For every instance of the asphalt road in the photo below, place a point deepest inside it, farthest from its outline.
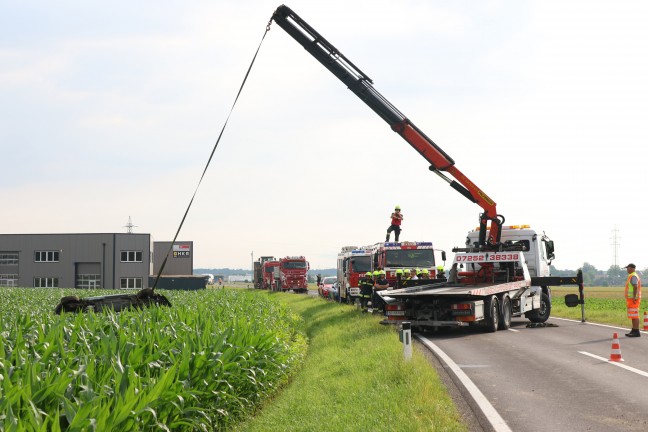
(554, 378)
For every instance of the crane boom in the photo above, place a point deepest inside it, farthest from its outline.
(361, 85)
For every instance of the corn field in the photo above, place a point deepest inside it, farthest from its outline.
(202, 364)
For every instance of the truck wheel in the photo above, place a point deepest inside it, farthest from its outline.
(492, 321)
(505, 317)
(541, 315)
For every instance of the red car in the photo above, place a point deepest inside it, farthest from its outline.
(327, 285)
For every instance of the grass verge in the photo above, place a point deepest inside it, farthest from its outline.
(605, 305)
(354, 378)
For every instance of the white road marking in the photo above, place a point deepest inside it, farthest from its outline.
(498, 423)
(597, 324)
(513, 330)
(621, 365)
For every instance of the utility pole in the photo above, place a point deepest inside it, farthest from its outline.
(130, 226)
(615, 245)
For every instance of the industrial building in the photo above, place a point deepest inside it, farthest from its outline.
(112, 260)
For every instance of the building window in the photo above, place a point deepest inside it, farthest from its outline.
(130, 283)
(8, 280)
(131, 256)
(46, 256)
(46, 282)
(88, 281)
(8, 258)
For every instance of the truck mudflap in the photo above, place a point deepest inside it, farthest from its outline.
(117, 302)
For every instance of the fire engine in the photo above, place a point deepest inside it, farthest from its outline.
(269, 268)
(352, 264)
(259, 278)
(291, 274)
(391, 256)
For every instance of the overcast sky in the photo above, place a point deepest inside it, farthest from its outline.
(109, 110)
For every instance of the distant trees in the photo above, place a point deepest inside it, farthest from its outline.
(614, 276)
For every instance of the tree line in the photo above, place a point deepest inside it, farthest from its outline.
(613, 276)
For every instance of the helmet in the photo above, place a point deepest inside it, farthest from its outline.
(418, 271)
(368, 274)
(440, 267)
(397, 207)
(399, 271)
(376, 273)
(425, 271)
(382, 272)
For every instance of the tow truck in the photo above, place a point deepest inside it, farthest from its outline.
(493, 277)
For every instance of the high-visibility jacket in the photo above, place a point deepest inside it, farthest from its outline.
(629, 288)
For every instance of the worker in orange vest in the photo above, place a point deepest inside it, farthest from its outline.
(633, 299)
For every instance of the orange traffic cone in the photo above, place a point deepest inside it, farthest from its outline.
(616, 349)
(645, 320)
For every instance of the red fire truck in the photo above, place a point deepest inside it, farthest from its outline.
(291, 274)
(352, 264)
(391, 256)
(259, 275)
(269, 268)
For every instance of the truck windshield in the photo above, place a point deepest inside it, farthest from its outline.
(410, 258)
(361, 264)
(269, 269)
(294, 265)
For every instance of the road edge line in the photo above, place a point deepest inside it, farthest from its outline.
(491, 414)
(596, 324)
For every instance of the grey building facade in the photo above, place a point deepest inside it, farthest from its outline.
(180, 261)
(113, 260)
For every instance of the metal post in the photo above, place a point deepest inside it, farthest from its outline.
(407, 340)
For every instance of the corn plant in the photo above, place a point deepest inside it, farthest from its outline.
(200, 365)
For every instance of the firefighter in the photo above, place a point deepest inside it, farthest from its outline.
(399, 278)
(633, 298)
(396, 219)
(366, 290)
(381, 284)
(440, 272)
(425, 274)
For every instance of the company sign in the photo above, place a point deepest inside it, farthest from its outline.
(181, 251)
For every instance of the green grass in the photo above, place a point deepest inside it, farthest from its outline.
(355, 378)
(605, 305)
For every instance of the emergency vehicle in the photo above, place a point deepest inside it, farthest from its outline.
(391, 256)
(258, 271)
(269, 280)
(291, 274)
(486, 286)
(352, 264)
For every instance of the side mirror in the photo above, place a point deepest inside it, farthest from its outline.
(549, 246)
